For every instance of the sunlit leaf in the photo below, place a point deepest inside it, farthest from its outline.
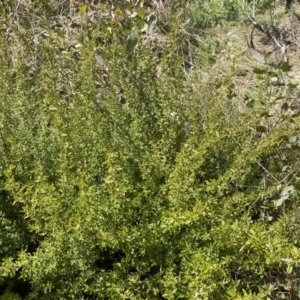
(293, 139)
(292, 85)
(289, 269)
(279, 202)
(288, 191)
(82, 9)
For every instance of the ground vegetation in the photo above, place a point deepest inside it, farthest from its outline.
(146, 153)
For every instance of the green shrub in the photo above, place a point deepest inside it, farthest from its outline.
(9, 296)
(133, 180)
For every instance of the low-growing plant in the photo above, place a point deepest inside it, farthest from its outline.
(124, 176)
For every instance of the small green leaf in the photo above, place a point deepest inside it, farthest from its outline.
(60, 34)
(284, 106)
(297, 214)
(296, 115)
(287, 191)
(251, 103)
(259, 71)
(100, 60)
(292, 85)
(280, 98)
(293, 139)
(145, 27)
(141, 13)
(279, 202)
(265, 114)
(75, 25)
(285, 66)
(66, 64)
(261, 129)
(268, 3)
(295, 107)
(218, 84)
(82, 9)
(289, 269)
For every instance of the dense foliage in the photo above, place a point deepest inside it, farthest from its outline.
(129, 172)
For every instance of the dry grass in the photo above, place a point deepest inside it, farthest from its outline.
(237, 58)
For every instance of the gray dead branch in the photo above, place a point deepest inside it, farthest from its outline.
(271, 31)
